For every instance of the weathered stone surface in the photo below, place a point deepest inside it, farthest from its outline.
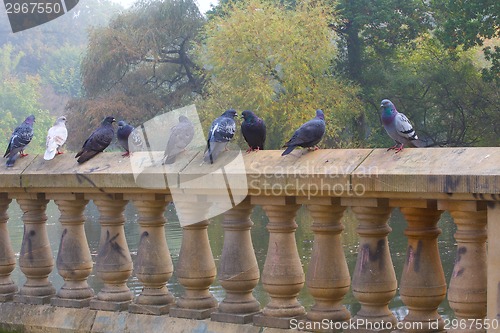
(438, 172)
(48, 319)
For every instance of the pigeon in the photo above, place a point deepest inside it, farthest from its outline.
(123, 134)
(181, 135)
(56, 137)
(253, 129)
(308, 135)
(20, 138)
(221, 132)
(398, 127)
(97, 141)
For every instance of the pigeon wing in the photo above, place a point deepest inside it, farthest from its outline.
(309, 133)
(223, 130)
(404, 127)
(20, 138)
(181, 136)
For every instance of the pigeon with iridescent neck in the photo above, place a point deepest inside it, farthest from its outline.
(398, 127)
(253, 129)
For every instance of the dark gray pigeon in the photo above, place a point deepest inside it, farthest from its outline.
(398, 127)
(253, 129)
(181, 135)
(97, 141)
(19, 139)
(123, 134)
(221, 132)
(308, 134)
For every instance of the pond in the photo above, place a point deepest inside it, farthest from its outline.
(260, 237)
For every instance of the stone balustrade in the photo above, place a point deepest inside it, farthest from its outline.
(422, 183)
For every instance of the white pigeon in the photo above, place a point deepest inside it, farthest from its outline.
(56, 137)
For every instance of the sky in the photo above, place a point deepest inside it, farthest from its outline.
(204, 5)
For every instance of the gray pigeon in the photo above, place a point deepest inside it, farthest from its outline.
(56, 137)
(221, 132)
(97, 141)
(181, 135)
(123, 135)
(308, 135)
(398, 127)
(20, 138)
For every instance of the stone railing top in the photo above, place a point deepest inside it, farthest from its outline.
(470, 173)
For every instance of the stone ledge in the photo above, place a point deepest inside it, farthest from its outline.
(47, 319)
(439, 173)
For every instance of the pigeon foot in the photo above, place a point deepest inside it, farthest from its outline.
(126, 154)
(399, 149)
(396, 147)
(22, 154)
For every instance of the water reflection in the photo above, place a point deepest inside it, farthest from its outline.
(260, 236)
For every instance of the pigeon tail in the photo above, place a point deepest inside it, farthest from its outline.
(213, 151)
(288, 150)
(51, 150)
(170, 159)
(423, 143)
(49, 154)
(84, 156)
(12, 160)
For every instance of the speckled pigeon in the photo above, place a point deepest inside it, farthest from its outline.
(123, 134)
(253, 129)
(308, 135)
(20, 138)
(97, 141)
(56, 137)
(221, 132)
(181, 135)
(398, 127)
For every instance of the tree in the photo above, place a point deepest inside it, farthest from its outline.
(276, 62)
(71, 29)
(442, 92)
(139, 66)
(469, 24)
(19, 99)
(62, 70)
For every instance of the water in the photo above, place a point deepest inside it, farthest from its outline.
(260, 236)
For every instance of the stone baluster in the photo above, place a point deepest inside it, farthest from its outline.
(493, 261)
(195, 269)
(238, 269)
(422, 285)
(74, 262)
(327, 278)
(153, 265)
(283, 275)
(467, 291)
(374, 280)
(35, 259)
(113, 262)
(7, 259)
